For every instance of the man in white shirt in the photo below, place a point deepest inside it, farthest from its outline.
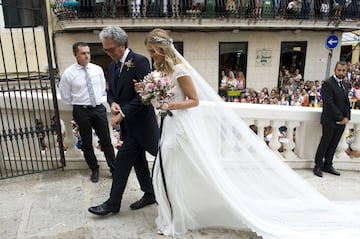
(82, 85)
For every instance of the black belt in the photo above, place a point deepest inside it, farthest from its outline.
(88, 106)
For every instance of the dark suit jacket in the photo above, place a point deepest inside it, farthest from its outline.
(140, 120)
(336, 104)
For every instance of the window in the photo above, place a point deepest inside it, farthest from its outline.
(179, 46)
(21, 13)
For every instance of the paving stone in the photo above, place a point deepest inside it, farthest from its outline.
(53, 205)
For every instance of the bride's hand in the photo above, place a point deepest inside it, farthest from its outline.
(168, 106)
(164, 106)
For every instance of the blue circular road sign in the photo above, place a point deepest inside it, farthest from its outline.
(332, 41)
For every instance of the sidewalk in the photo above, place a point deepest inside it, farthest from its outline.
(53, 205)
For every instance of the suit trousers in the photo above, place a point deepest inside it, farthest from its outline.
(327, 146)
(89, 118)
(130, 154)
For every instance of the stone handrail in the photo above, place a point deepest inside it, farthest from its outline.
(298, 150)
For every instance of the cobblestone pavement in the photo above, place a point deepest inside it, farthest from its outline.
(53, 205)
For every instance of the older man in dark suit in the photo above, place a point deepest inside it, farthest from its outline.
(138, 122)
(334, 117)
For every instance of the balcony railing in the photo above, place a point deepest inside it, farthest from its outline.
(268, 9)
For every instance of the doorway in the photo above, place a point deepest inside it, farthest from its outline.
(233, 58)
(293, 55)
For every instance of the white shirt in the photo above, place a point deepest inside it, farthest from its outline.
(73, 89)
(122, 60)
(338, 81)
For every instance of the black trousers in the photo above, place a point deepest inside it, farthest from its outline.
(328, 143)
(130, 154)
(94, 118)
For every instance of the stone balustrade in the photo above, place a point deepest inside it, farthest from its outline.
(298, 147)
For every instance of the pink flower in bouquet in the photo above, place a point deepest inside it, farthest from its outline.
(156, 89)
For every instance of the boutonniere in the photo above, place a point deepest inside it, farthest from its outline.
(129, 64)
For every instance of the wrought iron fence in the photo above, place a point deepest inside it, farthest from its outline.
(30, 132)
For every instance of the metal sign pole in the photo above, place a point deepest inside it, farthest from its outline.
(331, 42)
(328, 64)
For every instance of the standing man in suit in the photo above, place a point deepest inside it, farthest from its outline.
(335, 115)
(137, 121)
(88, 111)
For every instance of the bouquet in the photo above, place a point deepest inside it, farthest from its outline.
(156, 89)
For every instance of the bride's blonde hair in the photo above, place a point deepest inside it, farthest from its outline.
(161, 42)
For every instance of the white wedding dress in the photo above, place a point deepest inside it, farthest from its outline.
(218, 173)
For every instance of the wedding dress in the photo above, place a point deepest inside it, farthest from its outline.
(215, 172)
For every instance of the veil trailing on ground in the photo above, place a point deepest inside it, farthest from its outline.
(260, 191)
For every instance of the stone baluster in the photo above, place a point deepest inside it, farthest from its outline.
(290, 145)
(98, 152)
(356, 143)
(274, 142)
(342, 147)
(70, 140)
(260, 124)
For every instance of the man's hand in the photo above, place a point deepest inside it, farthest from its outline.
(344, 121)
(115, 122)
(115, 108)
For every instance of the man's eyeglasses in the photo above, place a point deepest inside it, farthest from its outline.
(109, 50)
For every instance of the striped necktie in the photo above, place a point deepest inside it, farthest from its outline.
(90, 88)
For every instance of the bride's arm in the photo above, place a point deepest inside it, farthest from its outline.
(192, 100)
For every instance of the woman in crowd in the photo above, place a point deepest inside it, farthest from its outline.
(223, 80)
(232, 82)
(241, 82)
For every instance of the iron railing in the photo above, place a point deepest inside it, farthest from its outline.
(30, 132)
(268, 9)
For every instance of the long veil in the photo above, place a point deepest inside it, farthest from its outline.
(262, 191)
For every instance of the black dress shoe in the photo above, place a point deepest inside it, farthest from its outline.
(318, 172)
(94, 175)
(331, 170)
(103, 209)
(147, 199)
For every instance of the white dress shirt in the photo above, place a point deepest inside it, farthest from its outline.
(122, 60)
(73, 89)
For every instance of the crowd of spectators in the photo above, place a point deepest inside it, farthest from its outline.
(276, 9)
(293, 89)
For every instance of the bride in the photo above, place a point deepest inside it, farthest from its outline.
(213, 171)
